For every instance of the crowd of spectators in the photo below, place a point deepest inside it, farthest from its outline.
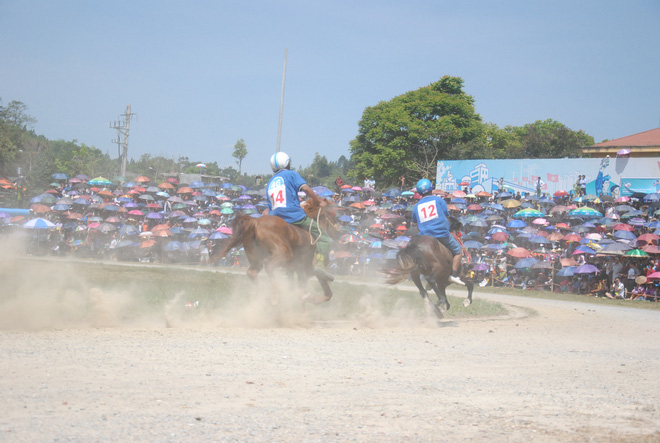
(582, 244)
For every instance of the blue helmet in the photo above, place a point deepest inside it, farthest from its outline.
(424, 186)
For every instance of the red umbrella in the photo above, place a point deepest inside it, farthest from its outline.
(560, 193)
(651, 249)
(500, 236)
(474, 207)
(623, 227)
(572, 237)
(648, 238)
(555, 236)
(519, 252)
(38, 208)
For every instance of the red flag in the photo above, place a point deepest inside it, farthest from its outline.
(553, 178)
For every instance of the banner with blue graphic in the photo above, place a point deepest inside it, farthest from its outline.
(606, 176)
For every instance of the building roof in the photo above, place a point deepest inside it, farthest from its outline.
(646, 138)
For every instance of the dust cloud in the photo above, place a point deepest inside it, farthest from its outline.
(52, 293)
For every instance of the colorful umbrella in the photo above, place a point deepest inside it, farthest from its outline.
(585, 211)
(518, 252)
(38, 223)
(636, 253)
(529, 213)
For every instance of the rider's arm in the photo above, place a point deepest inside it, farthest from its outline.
(310, 192)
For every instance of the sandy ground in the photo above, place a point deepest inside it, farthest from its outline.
(551, 371)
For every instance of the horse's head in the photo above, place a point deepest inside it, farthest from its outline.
(325, 211)
(454, 224)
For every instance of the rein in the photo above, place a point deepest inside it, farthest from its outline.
(468, 257)
(318, 219)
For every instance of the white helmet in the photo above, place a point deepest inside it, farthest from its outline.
(280, 160)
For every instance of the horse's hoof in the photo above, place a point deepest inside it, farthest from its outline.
(467, 302)
(315, 299)
(443, 308)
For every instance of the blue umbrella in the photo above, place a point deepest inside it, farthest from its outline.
(568, 271)
(539, 239)
(173, 246)
(625, 235)
(494, 246)
(60, 176)
(38, 223)
(393, 192)
(516, 224)
(473, 244)
(525, 263)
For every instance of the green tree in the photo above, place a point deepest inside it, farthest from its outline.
(549, 139)
(240, 152)
(15, 130)
(410, 133)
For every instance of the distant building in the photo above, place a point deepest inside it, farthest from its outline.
(644, 144)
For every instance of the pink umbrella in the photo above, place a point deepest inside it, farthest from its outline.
(654, 276)
(623, 152)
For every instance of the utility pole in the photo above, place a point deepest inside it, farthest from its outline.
(279, 127)
(123, 127)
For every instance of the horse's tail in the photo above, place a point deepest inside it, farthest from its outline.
(405, 259)
(242, 227)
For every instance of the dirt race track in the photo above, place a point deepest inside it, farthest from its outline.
(552, 371)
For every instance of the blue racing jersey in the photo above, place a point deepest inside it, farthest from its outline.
(431, 216)
(283, 198)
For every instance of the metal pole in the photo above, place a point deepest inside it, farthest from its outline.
(127, 124)
(279, 128)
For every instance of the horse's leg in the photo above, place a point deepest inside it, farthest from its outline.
(439, 289)
(428, 305)
(271, 264)
(470, 287)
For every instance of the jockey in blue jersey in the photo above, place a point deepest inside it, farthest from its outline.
(431, 216)
(282, 191)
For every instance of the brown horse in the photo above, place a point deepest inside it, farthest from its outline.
(424, 255)
(270, 242)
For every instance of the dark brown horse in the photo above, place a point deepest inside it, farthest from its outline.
(424, 255)
(270, 242)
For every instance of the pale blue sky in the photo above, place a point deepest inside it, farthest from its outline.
(202, 74)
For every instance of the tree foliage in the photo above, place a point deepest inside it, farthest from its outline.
(324, 172)
(240, 152)
(410, 133)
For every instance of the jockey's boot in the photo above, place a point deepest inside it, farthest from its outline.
(454, 278)
(455, 266)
